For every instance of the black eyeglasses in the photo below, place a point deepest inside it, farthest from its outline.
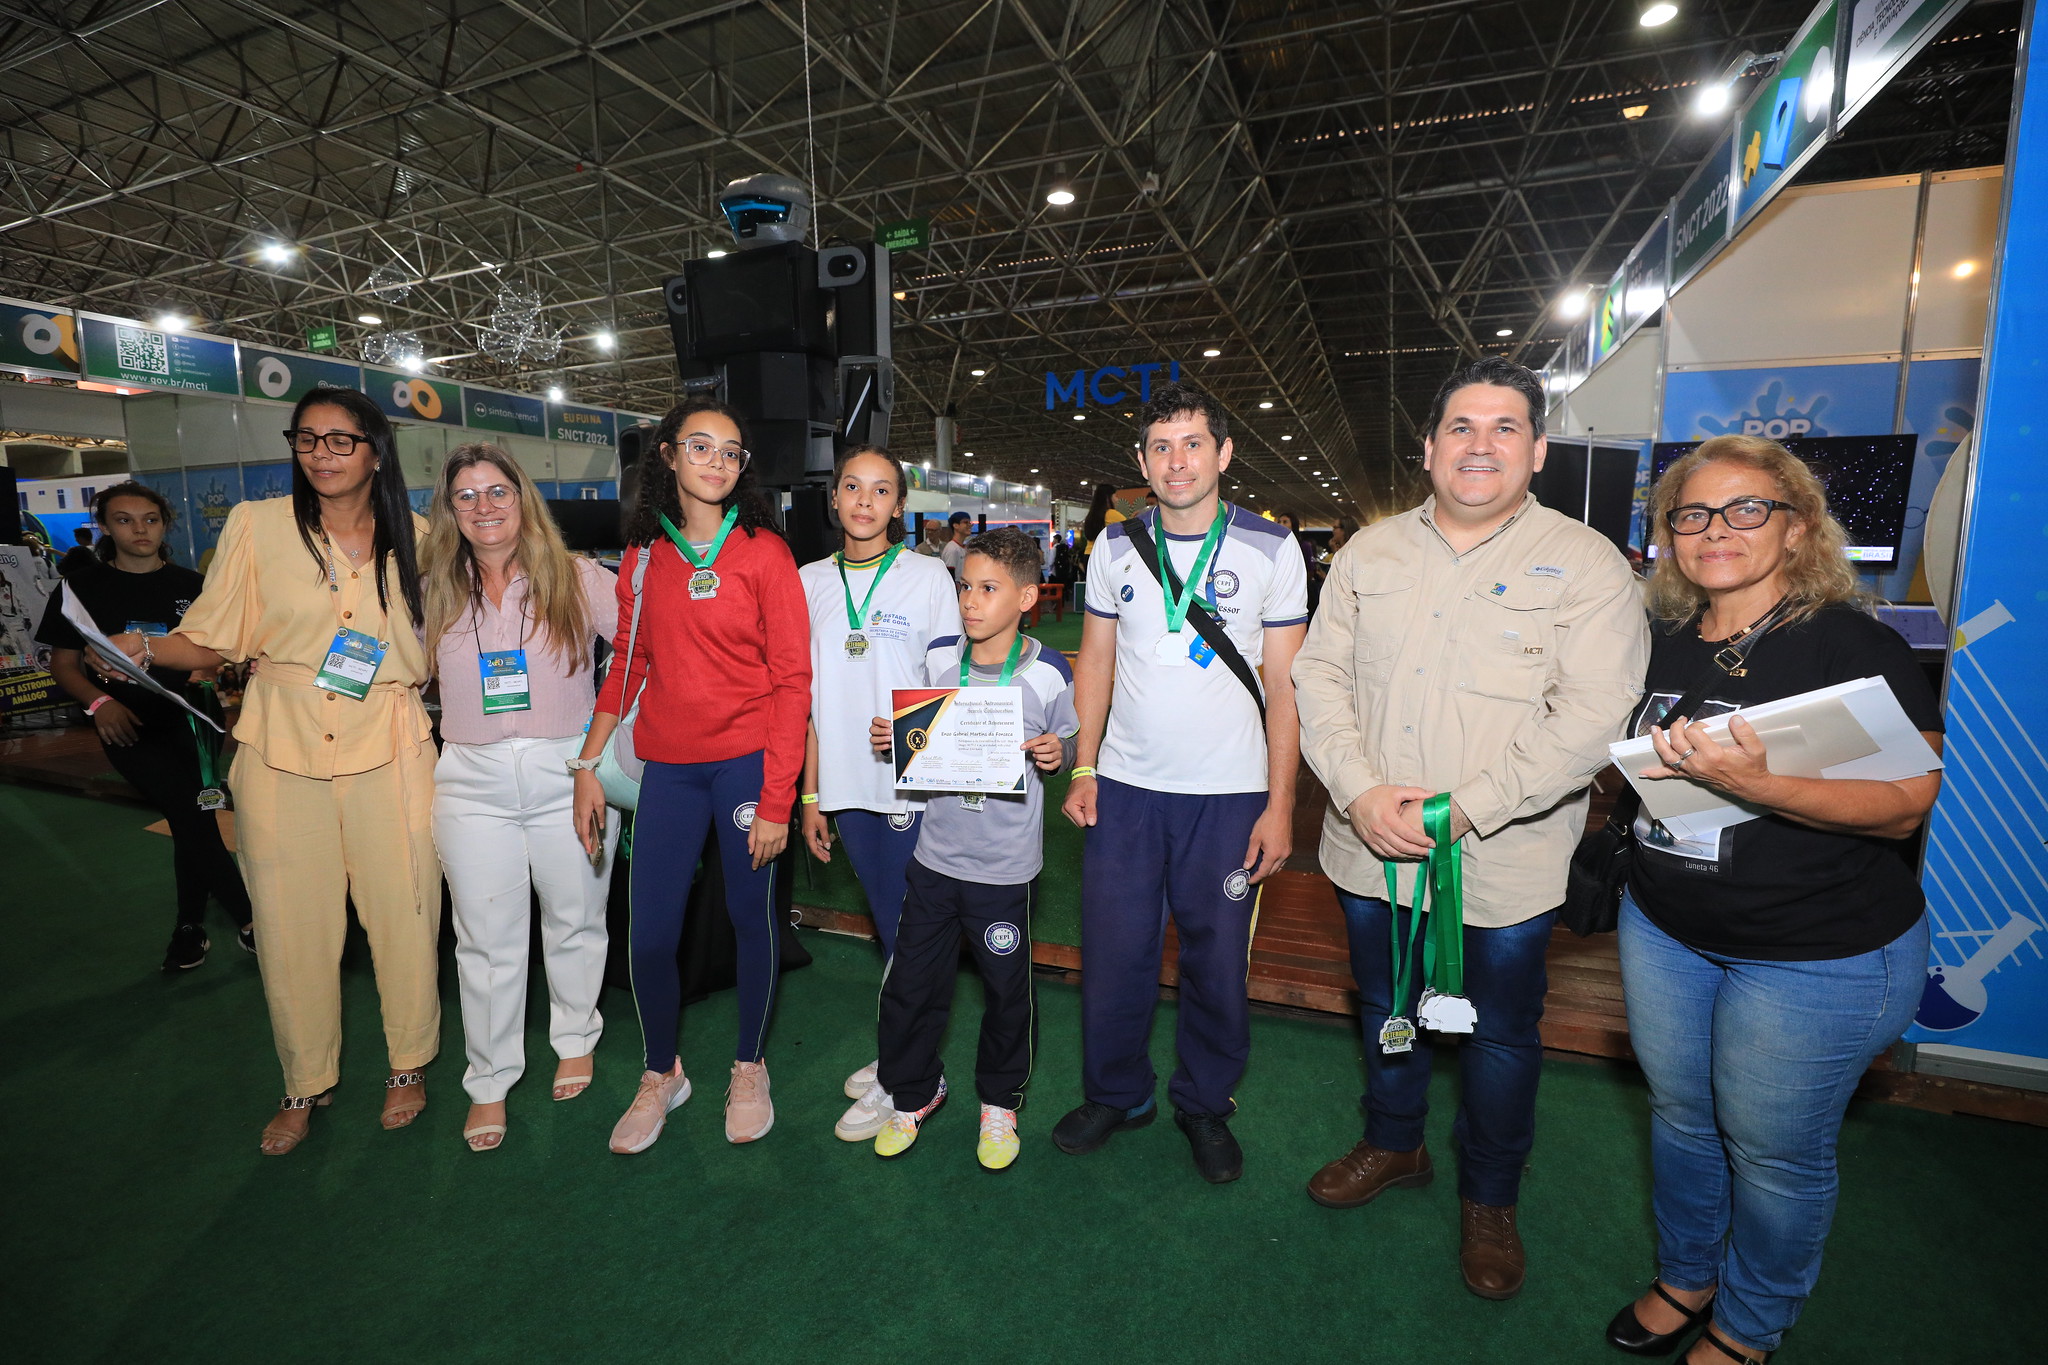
(1743, 514)
(304, 440)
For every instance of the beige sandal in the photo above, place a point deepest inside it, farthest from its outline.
(286, 1137)
(400, 1114)
(484, 1130)
(569, 1087)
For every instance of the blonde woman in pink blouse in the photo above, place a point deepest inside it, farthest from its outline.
(512, 617)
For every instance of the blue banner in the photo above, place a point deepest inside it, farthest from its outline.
(582, 426)
(1780, 401)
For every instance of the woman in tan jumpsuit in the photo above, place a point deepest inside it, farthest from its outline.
(334, 781)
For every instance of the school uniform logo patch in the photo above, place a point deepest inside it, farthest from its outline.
(1237, 884)
(1002, 938)
(743, 816)
(1226, 583)
(1129, 593)
(901, 821)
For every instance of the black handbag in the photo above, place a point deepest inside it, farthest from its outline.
(1601, 864)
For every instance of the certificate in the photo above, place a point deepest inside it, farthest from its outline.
(958, 739)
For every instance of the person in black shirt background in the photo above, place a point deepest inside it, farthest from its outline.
(133, 586)
(1765, 970)
(82, 557)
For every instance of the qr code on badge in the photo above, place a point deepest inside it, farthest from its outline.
(136, 348)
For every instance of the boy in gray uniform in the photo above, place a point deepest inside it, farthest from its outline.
(976, 866)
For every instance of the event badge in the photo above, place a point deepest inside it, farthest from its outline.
(1201, 652)
(352, 663)
(505, 684)
(1171, 651)
(1446, 1013)
(152, 628)
(856, 645)
(212, 798)
(703, 584)
(973, 801)
(1397, 1035)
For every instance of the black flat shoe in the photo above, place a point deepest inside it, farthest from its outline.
(1627, 1333)
(1216, 1153)
(1087, 1128)
(1713, 1339)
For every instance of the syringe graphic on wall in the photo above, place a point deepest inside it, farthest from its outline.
(1955, 996)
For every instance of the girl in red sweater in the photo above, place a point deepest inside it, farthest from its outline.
(722, 671)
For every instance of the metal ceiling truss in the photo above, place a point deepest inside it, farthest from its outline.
(1340, 198)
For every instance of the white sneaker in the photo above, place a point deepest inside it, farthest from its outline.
(858, 1084)
(869, 1114)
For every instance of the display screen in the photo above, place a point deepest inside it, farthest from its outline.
(1866, 478)
(749, 293)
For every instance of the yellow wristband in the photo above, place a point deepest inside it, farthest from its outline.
(809, 798)
(1082, 772)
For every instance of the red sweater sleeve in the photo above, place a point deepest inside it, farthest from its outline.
(786, 632)
(626, 675)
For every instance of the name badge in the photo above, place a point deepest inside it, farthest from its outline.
(1172, 650)
(1201, 652)
(351, 665)
(505, 685)
(148, 628)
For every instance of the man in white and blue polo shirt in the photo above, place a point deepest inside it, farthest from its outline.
(1185, 788)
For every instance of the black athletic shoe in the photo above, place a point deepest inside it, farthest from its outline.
(187, 950)
(246, 938)
(1217, 1155)
(1090, 1126)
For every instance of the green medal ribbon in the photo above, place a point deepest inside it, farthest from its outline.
(855, 618)
(1177, 609)
(732, 514)
(207, 742)
(1009, 664)
(1441, 881)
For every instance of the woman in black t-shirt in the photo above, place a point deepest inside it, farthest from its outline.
(133, 586)
(1763, 969)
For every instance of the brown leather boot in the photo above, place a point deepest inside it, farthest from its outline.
(1490, 1250)
(1362, 1174)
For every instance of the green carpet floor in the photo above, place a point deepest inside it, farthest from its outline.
(144, 1226)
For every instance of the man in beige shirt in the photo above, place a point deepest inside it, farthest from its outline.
(1484, 646)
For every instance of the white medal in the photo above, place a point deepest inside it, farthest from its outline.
(1172, 650)
(973, 801)
(1446, 1013)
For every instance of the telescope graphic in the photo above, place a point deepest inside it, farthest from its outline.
(1954, 996)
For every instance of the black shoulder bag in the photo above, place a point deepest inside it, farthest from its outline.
(1601, 864)
(1206, 625)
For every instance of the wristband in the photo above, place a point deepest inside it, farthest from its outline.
(1081, 772)
(97, 702)
(809, 798)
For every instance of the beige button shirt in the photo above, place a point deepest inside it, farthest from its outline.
(1499, 675)
(267, 599)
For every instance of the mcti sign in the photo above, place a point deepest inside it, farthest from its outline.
(1107, 386)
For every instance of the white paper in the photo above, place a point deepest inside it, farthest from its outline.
(966, 739)
(74, 612)
(1873, 741)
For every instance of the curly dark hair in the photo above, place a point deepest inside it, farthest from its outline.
(658, 496)
(1017, 551)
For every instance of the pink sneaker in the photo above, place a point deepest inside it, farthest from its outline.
(749, 1113)
(643, 1120)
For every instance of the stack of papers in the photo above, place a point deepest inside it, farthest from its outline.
(1853, 729)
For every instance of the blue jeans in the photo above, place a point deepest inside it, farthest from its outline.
(1751, 1065)
(1499, 1063)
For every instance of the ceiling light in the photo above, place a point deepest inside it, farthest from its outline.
(1505, 332)
(1964, 269)
(714, 253)
(412, 364)
(554, 395)
(605, 341)
(1571, 304)
(1634, 110)
(977, 373)
(1059, 196)
(1301, 457)
(1711, 100)
(1212, 353)
(968, 453)
(276, 253)
(369, 320)
(1034, 471)
(1080, 417)
(1659, 13)
(1289, 438)
(899, 296)
(1266, 403)
(170, 322)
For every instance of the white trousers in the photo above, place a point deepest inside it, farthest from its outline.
(504, 825)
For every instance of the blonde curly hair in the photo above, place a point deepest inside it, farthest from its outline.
(1817, 572)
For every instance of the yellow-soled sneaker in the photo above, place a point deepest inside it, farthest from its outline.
(997, 1146)
(902, 1128)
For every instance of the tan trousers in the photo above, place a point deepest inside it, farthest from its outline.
(309, 845)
